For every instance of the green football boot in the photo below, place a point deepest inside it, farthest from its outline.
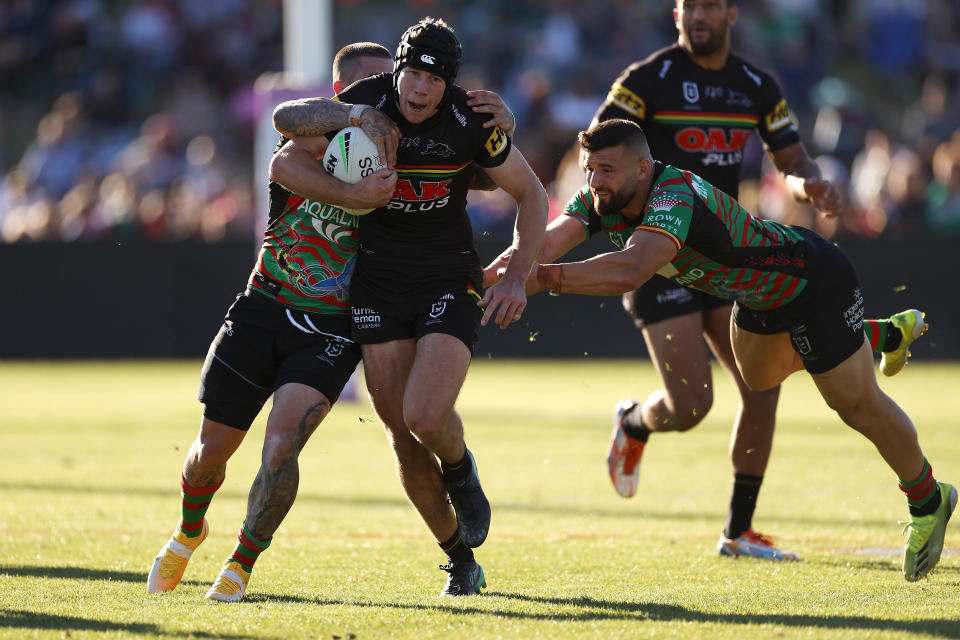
(925, 536)
(911, 326)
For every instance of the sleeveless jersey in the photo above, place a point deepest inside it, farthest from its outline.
(700, 119)
(722, 250)
(426, 220)
(308, 253)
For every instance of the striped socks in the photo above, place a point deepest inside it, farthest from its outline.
(194, 502)
(248, 549)
(882, 335)
(923, 494)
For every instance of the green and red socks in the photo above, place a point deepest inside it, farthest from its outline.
(882, 335)
(248, 548)
(923, 493)
(194, 502)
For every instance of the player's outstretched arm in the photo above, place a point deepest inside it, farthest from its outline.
(506, 300)
(611, 273)
(562, 235)
(805, 181)
(296, 167)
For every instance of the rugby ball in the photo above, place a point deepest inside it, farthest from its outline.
(351, 156)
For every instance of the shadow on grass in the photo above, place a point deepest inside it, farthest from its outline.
(83, 573)
(599, 609)
(73, 573)
(586, 608)
(578, 609)
(13, 619)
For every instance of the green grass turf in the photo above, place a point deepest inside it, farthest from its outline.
(91, 456)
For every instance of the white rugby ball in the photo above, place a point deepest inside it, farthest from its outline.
(352, 156)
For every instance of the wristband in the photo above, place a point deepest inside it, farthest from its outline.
(550, 277)
(355, 112)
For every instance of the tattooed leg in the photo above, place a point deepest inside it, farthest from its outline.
(297, 411)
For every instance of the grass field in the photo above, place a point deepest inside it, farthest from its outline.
(91, 455)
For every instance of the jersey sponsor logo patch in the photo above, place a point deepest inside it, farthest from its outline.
(627, 100)
(496, 143)
(690, 92)
(366, 318)
(320, 212)
(665, 68)
(408, 198)
(462, 119)
(689, 277)
(779, 117)
(712, 139)
(853, 315)
(404, 190)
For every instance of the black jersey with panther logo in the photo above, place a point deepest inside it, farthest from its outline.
(426, 219)
(700, 119)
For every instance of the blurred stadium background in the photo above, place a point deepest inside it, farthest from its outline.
(131, 193)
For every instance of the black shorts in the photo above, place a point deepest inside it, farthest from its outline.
(660, 299)
(263, 345)
(412, 306)
(825, 321)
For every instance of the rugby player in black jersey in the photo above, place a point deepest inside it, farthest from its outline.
(798, 302)
(416, 288)
(304, 325)
(698, 103)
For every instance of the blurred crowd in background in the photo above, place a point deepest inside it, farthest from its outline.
(127, 120)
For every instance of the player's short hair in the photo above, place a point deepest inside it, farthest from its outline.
(431, 46)
(613, 133)
(345, 62)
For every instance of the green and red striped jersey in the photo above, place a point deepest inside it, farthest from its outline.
(722, 250)
(308, 254)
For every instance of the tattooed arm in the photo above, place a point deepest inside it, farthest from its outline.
(296, 167)
(319, 116)
(311, 117)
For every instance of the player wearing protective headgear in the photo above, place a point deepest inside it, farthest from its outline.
(416, 288)
(429, 45)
